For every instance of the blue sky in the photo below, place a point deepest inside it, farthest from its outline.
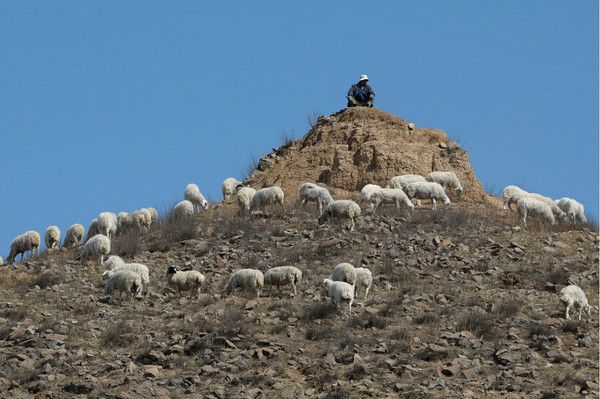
(118, 105)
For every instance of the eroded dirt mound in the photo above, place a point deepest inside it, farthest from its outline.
(358, 146)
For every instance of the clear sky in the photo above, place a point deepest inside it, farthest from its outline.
(116, 105)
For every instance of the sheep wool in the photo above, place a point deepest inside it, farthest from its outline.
(427, 190)
(529, 206)
(340, 291)
(246, 279)
(229, 187)
(344, 272)
(97, 247)
(550, 202)
(512, 194)
(28, 241)
(367, 191)
(404, 180)
(267, 196)
(574, 297)
(138, 268)
(283, 275)
(74, 235)
(192, 193)
(341, 209)
(52, 237)
(364, 279)
(445, 179)
(390, 196)
(573, 209)
(123, 281)
(183, 209)
(188, 280)
(310, 192)
(112, 262)
(244, 197)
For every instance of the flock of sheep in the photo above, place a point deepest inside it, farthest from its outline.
(345, 280)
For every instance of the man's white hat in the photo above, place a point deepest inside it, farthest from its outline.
(363, 77)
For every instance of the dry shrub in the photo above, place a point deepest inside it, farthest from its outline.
(127, 244)
(367, 321)
(120, 334)
(318, 311)
(317, 332)
(357, 372)
(572, 326)
(231, 323)
(14, 314)
(46, 279)
(535, 328)
(508, 308)
(480, 324)
(558, 276)
(175, 228)
(426, 318)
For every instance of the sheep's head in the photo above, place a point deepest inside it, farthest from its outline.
(171, 270)
(447, 201)
(204, 204)
(588, 309)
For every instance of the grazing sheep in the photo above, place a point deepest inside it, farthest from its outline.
(573, 296)
(28, 241)
(246, 279)
(229, 187)
(112, 262)
(267, 196)
(124, 281)
(244, 197)
(512, 194)
(445, 179)
(427, 190)
(107, 224)
(340, 291)
(344, 272)
(404, 180)
(340, 209)
(573, 209)
(183, 209)
(188, 280)
(139, 220)
(96, 247)
(283, 275)
(553, 206)
(390, 196)
(93, 229)
(52, 237)
(364, 279)
(74, 235)
(367, 191)
(141, 270)
(528, 206)
(310, 192)
(193, 194)
(153, 214)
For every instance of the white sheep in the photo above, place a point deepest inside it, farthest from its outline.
(112, 262)
(93, 229)
(229, 187)
(28, 241)
(107, 224)
(283, 275)
(427, 190)
(573, 296)
(52, 237)
(341, 209)
(445, 179)
(364, 279)
(192, 193)
(344, 272)
(390, 196)
(96, 247)
(183, 209)
(512, 194)
(124, 281)
(310, 192)
(244, 197)
(367, 191)
(248, 279)
(153, 214)
(553, 206)
(141, 270)
(573, 209)
(188, 280)
(74, 235)
(528, 206)
(139, 220)
(267, 196)
(340, 291)
(404, 180)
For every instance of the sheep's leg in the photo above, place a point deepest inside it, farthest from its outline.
(580, 309)
(433, 202)
(294, 287)
(257, 293)
(419, 203)
(350, 305)
(567, 312)
(366, 293)
(351, 224)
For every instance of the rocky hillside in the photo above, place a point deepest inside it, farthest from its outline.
(464, 302)
(358, 146)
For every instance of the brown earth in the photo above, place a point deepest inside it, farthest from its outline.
(357, 146)
(464, 302)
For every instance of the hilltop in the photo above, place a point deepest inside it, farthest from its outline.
(464, 302)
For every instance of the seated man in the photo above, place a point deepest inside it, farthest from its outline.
(361, 94)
